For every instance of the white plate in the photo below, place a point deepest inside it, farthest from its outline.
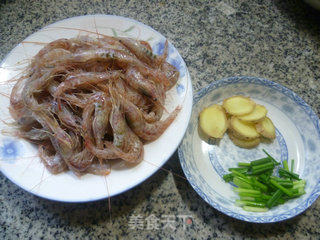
(18, 161)
(298, 137)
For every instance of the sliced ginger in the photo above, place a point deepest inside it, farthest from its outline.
(245, 120)
(213, 121)
(243, 143)
(238, 105)
(258, 114)
(243, 130)
(266, 128)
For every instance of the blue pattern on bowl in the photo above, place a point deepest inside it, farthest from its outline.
(9, 149)
(180, 89)
(216, 164)
(173, 57)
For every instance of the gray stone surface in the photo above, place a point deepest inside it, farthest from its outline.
(278, 40)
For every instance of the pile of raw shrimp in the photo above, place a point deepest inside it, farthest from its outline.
(85, 101)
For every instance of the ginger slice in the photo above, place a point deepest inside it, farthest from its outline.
(213, 121)
(258, 114)
(238, 105)
(266, 128)
(243, 130)
(251, 143)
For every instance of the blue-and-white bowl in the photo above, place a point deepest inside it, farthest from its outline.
(298, 137)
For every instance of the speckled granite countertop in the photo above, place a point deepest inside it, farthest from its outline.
(278, 40)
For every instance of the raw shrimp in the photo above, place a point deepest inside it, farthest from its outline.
(102, 169)
(152, 111)
(60, 139)
(34, 134)
(34, 86)
(132, 95)
(126, 145)
(83, 78)
(122, 58)
(53, 163)
(17, 109)
(81, 161)
(135, 79)
(65, 115)
(164, 55)
(16, 102)
(48, 59)
(106, 153)
(146, 131)
(88, 101)
(62, 43)
(101, 119)
(123, 137)
(100, 54)
(141, 51)
(172, 74)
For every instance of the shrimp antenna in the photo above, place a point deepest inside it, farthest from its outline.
(41, 180)
(95, 26)
(34, 42)
(5, 94)
(165, 169)
(108, 192)
(8, 123)
(77, 29)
